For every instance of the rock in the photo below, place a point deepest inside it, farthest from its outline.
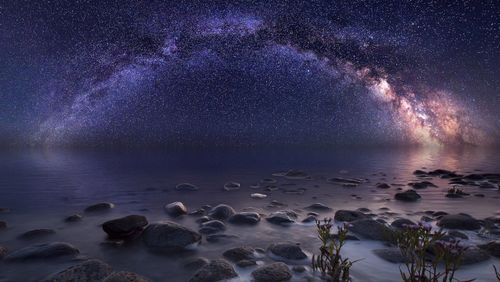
(393, 255)
(258, 196)
(458, 234)
(239, 253)
(371, 229)
(274, 272)
(474, 255)
(169, 236)
(221, 238)
(419, 172)
(100, 207)
(268, 180)
(89, 270)
(421, 185)
(198, 212)
(73, 218)
(281, 218)
(287, 251)
(230, 186)
(221, 212)
(318, 207)
(401, 223)
(3, 252)
(299, 268)
(125, 276)
(36, 234)
(309, 219)
(348, 215)
(407, 196)
(493, 248)
(186, 187)
(383, 186)
(295, 174)
(175, 209)
(249, 218)
(341, 180)
(246, 263)
(3, 225)
(196, 263)
(212, 226)
(125, 227)
(459, 221)
(216, 270)
(43, 251)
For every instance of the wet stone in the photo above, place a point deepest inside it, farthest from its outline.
(73, 218)
(125, 276)
(43, 251)
(407, 196)
(274, 272)
(216, 270)
(89, 270)
(245, 218)
(100, 207)
(221, 212)
(175, 209)
(287, 251)
(239, 253)
(125, 227)
(37, 234)
(186, 187)
(169, 236)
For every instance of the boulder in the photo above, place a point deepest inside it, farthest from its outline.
(459, 221)
(196, 263)
(348, 215)
(318, 207)
(281, 217)
(216, 270)
(43, 251)
(73, 218)
(407, 196)
(392, 255)
(221, 212)
(125, 227)
(100, 207)
(89, 270)
(245, 218)
(371, 229)
(287, 251)
(401, 223)
(175, 209)
(186, 187)
(125, 276)
(169, 236)
(212, 226)
(240, 253)
(36, 234)
(274, 272)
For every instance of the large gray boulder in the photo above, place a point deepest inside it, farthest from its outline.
(348, 215)
(221, 212)
(371, 229)
(125, 227)
(175, 209)
(169, 236)
(89, 270)
(245, 218)
(216, 270)
(274, 272)
(287, 251)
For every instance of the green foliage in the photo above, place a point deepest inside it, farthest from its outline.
(329, 261)
(429, 258)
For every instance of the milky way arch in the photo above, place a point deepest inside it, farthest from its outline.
(105, 85)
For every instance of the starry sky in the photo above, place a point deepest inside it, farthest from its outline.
(245, 73)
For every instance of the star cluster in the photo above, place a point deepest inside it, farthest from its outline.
(97, 73)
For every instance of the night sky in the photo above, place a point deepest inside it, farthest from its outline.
(239, 73)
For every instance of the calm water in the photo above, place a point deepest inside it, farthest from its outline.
(42, 187)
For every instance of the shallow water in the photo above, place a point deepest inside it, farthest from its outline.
(42, 187)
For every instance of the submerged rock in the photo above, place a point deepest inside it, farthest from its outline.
(474, 255)
(100, 207)
(43, 251)
(492, 248)
(295, 174)
(125, 276)
(407, 196)
(371, 229)
(348, 215)
(125, 227)
(274, 272)
(89, 270)
(401, 223)
(175, 209)
(169, 236)
(221, 212)
(318, 207)
(216, 270)
(73, 218)
(230, 186)
(36, 234)
(421, 185)
(287, 251)
(186, 187)
(240, 253)
(459, 221)
(248, 218)
(196, 263)
(281, 217)
(212, 226)
(392, 255)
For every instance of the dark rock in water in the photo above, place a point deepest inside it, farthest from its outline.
(246, 263)
(309, 218)
(212, 226)
(421, 185)
(371, 229)
(493, 248)
(425, 218)
(383, 186)
(318, 207)
(459, 221)
(196, 263)
(125, 227)
(221, 238)
(274, 272)
(296, 174)
(89, 270)
(393, 255)
(3, 225)
(3, 252)
(439, 213)
(488, 185)
(216, 270)
(268, 180)
(186, 187)
(419, 172)
(198, 212)
(407, 196)
(175, 209)
(474, 255)
(37, 233)
(230, 186)
(348, 215)
(440, 172)
(401, 223)
(239, 253)
(43, 251)
(287, 251)
(169, 236)
(73, 218)
(479, 195)
(221, 212)
(281, 218)
(249, 218)
(458, 234)
(341, 180)
(348, 237)
(100, 207)
(203, 219)
(125, 276)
